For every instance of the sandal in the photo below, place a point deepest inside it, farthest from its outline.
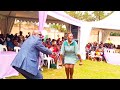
(81, 64)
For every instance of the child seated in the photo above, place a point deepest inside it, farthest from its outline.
(91, 55)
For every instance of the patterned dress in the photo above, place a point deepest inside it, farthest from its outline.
(69, 51)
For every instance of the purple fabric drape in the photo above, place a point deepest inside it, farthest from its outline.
(42, 19)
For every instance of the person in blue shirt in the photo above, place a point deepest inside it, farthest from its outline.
(10, 45)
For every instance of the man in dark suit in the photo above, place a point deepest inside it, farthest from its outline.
(26, 61)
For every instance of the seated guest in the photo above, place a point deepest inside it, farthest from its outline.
(60, 44)
(58, 41)
(16, 43)
(29, 34)
(118, 47)
(109, 41)
(88, 49)
(21, 38)
(43, 42)
(55, 49)
(91, 55)
(2, 39)
(49, 40)
(98, 54)
(10, 45)
(26, 36)
(47, 44)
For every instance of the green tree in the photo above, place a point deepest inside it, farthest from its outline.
(98, 15)
(89, 15)
(58, 27)
(75, 14)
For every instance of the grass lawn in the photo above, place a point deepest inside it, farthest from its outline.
(90, 70)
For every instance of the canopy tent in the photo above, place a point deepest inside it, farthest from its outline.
(33, 16)
(52, 16)
(111, 22)
(61, 15)
(24, 15)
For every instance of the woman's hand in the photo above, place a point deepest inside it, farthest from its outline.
(81, 63)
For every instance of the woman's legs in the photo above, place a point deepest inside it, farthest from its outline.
(71, 70)
(67, 70)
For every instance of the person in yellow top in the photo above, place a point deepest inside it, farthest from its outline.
(99, 54)
(109, 41)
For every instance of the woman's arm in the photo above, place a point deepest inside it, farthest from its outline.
(79, 56)
(61, 58)
(62, 52)
(77, 53)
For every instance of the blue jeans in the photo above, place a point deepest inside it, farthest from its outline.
(28, 75)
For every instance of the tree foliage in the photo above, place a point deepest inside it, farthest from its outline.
(89, 15)
(86, 16)
(114, 34)
(58, 27)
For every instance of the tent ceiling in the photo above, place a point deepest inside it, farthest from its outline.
(31, 16)
(24, 14)
(111, 22)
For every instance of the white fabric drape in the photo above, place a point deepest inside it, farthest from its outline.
(85, 31)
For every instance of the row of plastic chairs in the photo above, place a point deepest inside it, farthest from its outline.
(44, 56)
(109, 50)
(4, 48)
(48, 59)
(17, 49)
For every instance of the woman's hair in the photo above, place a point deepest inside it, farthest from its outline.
(69, 33)
(53, 42)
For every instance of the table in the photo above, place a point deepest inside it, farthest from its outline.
(112, 58)
(6, 70)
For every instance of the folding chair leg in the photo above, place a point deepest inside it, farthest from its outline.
(48, 64)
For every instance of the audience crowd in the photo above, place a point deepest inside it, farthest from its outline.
(17, 40)
(94, 51)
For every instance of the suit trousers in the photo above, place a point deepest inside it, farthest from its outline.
(28, 75)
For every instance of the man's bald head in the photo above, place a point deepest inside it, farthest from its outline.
(36, 33)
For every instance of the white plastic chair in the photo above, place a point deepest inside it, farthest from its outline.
(48, 59)
(111, 50)
(2, 47)
(41, 61)
(105, 49)
(17, 49)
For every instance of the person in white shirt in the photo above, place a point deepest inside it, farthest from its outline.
(92, 55)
